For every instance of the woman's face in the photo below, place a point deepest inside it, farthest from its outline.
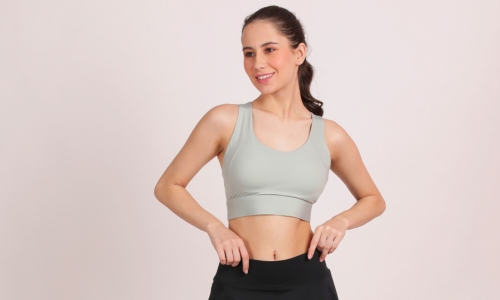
(269, 61)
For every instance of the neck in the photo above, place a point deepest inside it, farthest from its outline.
(285, 102)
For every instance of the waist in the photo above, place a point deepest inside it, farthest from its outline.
(271, 237)
(273, 274)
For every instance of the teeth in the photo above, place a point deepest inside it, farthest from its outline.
(264, 77)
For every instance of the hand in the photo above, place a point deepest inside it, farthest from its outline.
(229, 246)
(327, 237)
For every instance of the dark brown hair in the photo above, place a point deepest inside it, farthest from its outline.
(287, 23)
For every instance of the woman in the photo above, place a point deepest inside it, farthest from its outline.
(275, 153)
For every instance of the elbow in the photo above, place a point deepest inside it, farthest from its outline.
(159, 191)
(381, 205)
(162, 189)
(162, 194)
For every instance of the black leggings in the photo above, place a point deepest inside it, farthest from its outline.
(296, 278)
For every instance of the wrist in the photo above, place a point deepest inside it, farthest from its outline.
(212, 225)
(342, 219)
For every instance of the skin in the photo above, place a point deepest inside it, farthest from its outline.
(281, 122)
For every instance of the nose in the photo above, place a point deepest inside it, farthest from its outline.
(260, 61)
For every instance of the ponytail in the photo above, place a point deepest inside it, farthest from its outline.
(306, 74)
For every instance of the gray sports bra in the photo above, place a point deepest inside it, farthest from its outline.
(259, 180)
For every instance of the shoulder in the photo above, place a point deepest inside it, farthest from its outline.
(221, 115)
(334, 133)
(336, 137)
(220, 121)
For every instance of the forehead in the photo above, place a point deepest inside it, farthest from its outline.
(259, 32)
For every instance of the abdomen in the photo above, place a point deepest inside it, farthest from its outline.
(273, 237)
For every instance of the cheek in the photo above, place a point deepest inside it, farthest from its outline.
(278, 61)
(248, 66)
(282, 63)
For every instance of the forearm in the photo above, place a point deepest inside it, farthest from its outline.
(181, 203)
(363, 211)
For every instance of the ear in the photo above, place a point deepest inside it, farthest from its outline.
(300, 53)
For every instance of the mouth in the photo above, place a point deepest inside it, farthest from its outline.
(263, 78)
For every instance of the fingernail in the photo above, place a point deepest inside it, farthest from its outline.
(320, 259)
(309, 255)
(246, 271)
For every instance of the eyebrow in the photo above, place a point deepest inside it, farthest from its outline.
(263, 45)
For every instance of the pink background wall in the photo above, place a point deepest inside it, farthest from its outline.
(97, 97)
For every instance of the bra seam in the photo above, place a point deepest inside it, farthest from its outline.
(241, 117)
(320, 156)
(232, 138)
(231, 161)
(321, 139)
(276, 194)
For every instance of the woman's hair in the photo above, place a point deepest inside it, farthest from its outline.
(287, 23)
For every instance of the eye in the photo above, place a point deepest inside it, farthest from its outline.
(248, 54)
(269, 49)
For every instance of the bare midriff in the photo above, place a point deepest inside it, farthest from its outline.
(273, 237)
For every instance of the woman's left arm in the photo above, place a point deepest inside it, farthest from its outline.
(347, 164)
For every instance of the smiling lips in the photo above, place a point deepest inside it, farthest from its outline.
(263, 78)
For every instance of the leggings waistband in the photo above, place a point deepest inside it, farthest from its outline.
(273, 274)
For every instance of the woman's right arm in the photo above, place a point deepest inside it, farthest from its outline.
(204, 143)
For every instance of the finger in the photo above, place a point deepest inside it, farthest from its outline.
(336, 242)
(222, 256)
(322, 241)
(314, 243)
(236, 256)
(325, 250)
(332, 248)
(245, 259)
(229, 255)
